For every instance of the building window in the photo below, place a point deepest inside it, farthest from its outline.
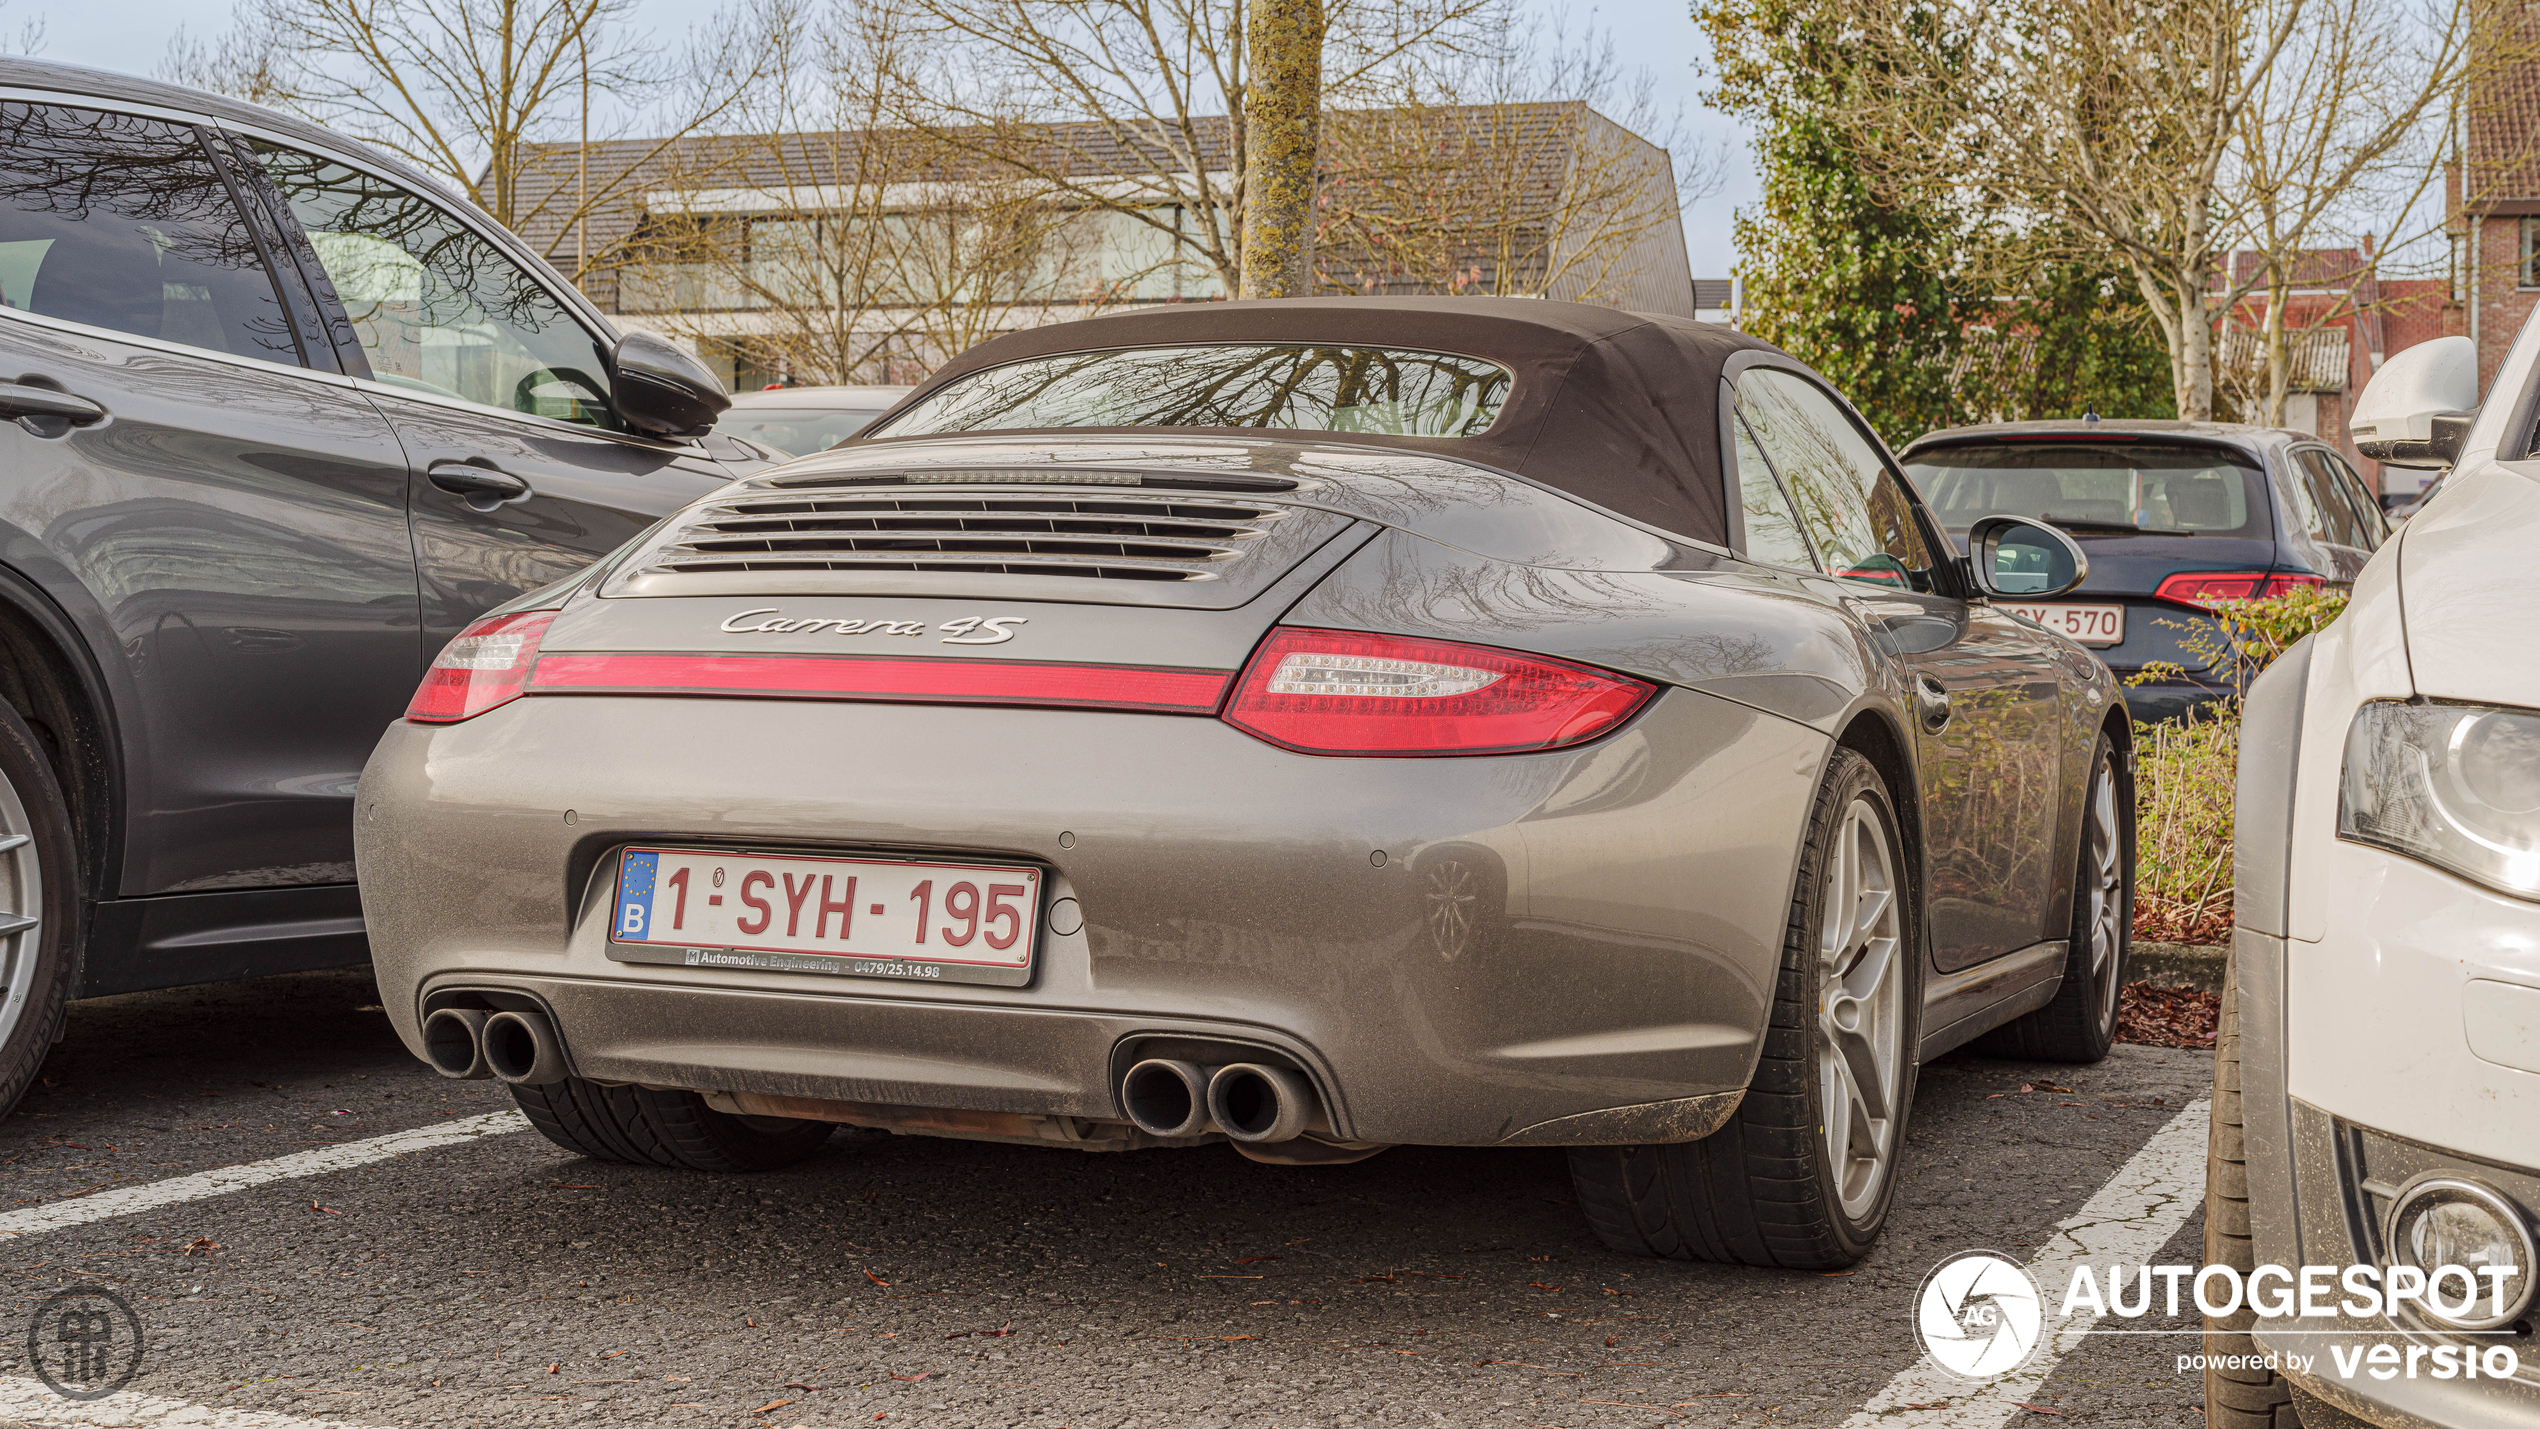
(2527, 274)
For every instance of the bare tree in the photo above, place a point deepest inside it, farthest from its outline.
(833, 247)
(1494, 173)
(1141, 105)
(29, 40)
(467, 89)
(2134, 126)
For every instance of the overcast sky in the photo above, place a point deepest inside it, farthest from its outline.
(132, 36)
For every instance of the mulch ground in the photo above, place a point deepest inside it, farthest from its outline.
(2167, 1016)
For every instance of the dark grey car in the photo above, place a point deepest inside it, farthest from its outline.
(2174, 515)
(277, 418)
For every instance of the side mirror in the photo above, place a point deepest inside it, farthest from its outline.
(2416, 411)
(2020, 559)
(663, 391)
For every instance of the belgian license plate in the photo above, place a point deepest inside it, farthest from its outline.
(924, 922)
(2088, 624)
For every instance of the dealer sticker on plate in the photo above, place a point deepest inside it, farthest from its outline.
(929, 922)
(2085, 624)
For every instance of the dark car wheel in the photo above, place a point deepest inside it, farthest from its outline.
(669, 1128)
(2240, 1397)
(1802, 1175)
(39, 907)
(2081, 1023)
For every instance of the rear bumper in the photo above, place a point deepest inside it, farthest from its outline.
(1632, 899)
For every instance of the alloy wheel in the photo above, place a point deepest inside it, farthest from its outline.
(2103, 874)
(1860, 1007)
(21, 908)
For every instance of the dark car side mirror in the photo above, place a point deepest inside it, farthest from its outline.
(2018, 558)
(662, 391)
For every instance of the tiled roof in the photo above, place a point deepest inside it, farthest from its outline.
(2501, 117)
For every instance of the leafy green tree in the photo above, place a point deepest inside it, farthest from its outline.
(1893, 295)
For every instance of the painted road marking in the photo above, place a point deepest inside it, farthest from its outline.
(27, 1401)
(2126, 1223)
(123, 1201)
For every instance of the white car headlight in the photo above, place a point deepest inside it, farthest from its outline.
(2455, 785)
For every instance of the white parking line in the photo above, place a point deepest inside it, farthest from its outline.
(27, 1401)
(105, 1205)
(2126, 1223)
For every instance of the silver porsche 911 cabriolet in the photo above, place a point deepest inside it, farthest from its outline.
(1317, 726)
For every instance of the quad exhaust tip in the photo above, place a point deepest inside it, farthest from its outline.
(522, 1049)
(454, 1043)
(1253, 1102)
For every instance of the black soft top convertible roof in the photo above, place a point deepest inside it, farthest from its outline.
(1618, 408)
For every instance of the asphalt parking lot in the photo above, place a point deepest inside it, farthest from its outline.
(496, 1280)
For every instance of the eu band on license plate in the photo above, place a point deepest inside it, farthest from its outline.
(890, 918)
(2085, 624)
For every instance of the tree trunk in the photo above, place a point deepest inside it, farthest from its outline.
(1283, 105)
(2279, 353)
(2195, 367)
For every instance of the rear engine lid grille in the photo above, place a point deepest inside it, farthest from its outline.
(1111, 536)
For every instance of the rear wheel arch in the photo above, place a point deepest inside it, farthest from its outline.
(50, 677)
(1873, 737)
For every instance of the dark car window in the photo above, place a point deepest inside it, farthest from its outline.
(1304, 387)
(1772, 529)
(2095, 486)
(2367, 501)
(437, 308)
(2326, 507)
(798, 431)
(1857, 514)
(2358, 503)
(124, 223)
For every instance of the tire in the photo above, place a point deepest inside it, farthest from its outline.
(2080, 1025)
(2240, 1398)
(675, 1129)
(1769, 1188)
(39, 880)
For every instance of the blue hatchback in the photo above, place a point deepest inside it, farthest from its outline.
(2173, 515)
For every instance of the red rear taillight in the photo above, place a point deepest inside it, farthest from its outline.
(1342, 692)
(883, 678)
(2203, 588)
(483, 667)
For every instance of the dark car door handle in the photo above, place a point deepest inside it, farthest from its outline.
(477, 483)
(19, 399)
(1931, 699)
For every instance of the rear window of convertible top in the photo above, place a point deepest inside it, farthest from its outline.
(1298, 387)
(2094, 488)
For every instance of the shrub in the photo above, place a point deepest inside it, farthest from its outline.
(2184, 771)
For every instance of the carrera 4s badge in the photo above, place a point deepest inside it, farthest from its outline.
(968, 630)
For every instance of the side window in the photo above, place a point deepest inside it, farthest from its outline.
(1772, 530)
(2327, 506)
(438, 309)
(124, 223)
(2367, 506)
(1856, 512)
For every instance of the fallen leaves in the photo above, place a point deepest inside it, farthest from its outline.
(201, 1245)
(330, 1210)
(876, 1279)
(774, 1404)
(2167, 1016)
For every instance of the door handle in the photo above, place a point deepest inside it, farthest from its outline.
(479, 484)
(23, 399)
(1931, 701)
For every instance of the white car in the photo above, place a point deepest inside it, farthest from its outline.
(2377, 1076)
